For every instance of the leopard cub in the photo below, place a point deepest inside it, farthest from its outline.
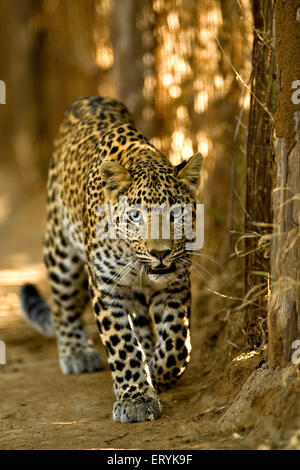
(139, 286)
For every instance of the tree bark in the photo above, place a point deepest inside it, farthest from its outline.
(128, 60)
(284, 305)
(260, 170)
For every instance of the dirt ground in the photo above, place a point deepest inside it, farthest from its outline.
(227, 399)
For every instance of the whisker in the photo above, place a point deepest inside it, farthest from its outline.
(206, 256)
(120, 271)
(130, 266)
(197, 266)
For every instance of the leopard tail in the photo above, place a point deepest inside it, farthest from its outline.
(36, 310)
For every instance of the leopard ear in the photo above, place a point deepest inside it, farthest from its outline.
(189, 171)
(115, 177)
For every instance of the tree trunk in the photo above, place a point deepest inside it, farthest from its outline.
(20, 126)
(260, 169)
(284, 306)
(128, 59)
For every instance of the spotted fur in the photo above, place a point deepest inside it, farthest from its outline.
(139, 288)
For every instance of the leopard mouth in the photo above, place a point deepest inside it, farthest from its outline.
(161, 269)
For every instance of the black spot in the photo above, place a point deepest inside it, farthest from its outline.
(119, 365)
(165, 335)
(52, 260)
(128, 375)
(109, 348)
(127, 337)
(141, 321)
(173, 304)
(122, 355)
(175, 328)
(161, 353)
(157, 318)
(141, 298)
(136, 376)
(179, 344)
(129, 348)
(171, 361)
(106, 323)
(114, 149)
(60, 253)
(134, 363)
(74, 317)
(99, 326)
(63, 268)
(117, 314)
(54, 277)
(64, 297)
(169, 318)
(106, 280)
(183, 354)
(114, 339)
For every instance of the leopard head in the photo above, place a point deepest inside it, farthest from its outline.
(154, 202)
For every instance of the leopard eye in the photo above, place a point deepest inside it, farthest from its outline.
(176, 213)
(135, 216)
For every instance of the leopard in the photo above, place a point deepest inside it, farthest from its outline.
(139, 287)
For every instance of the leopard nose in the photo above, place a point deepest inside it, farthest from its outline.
(160, 254)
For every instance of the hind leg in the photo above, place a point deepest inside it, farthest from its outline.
(69, 292)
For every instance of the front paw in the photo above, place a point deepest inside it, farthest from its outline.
(131, 410)
(85, 360)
